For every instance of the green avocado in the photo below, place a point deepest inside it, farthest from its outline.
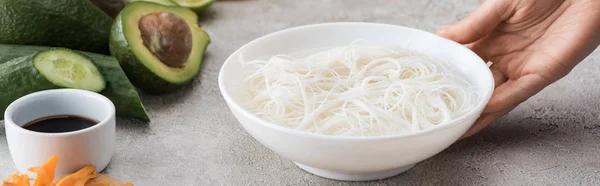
(159, 47)
(74, 24)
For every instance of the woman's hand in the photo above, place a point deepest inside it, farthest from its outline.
(532, 43)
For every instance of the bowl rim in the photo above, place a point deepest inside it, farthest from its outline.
(487, 94)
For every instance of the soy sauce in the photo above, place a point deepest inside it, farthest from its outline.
(60, 123)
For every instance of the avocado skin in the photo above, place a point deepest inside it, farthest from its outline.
(139, 75)
(74, 24)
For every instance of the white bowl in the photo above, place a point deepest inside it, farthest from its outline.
(344, 157)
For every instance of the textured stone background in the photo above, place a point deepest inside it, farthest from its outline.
(552, 139)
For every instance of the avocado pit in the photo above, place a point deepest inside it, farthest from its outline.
(167, 36)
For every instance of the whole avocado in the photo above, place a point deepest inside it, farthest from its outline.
(75, 24)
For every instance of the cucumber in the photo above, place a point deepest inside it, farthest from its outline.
(74, 24)
(68, 69)
(18, 77)
(118, 88)
(113, 7)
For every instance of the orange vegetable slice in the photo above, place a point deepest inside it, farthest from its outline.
(106, 184)
(45, 177)
(105, 179)
(71, 179)
(41, 178)
(16, 179)
(45, 173)
(85, 179)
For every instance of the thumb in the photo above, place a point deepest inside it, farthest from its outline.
(479, 23)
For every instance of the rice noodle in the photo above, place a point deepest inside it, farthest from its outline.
(357, 90)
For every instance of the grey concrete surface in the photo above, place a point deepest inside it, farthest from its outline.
(552, 139)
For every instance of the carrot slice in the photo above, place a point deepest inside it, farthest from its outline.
(45, 173)
(41, 178)
(45, 177)
(66, 181)
(83, 180)
(71, 179)
(16, 179)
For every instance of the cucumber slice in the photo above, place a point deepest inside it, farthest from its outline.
(65, 68)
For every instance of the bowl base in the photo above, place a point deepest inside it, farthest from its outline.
(346, 176)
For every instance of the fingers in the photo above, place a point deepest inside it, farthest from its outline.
(485, 120)
(515, 91)
(499, 77)
(479, 23)
(506, 97)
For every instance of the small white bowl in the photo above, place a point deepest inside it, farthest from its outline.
(354, 158)
(94, 145)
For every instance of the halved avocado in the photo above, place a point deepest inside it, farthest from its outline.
(159, 47)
